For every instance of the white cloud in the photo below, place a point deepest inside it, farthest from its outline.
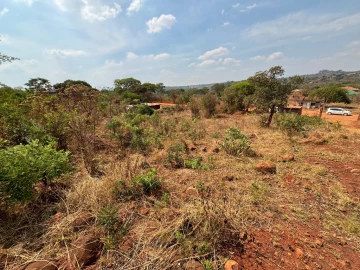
(61, 4)
(258, 58)
(231, 61)
(221, 68)
(192, 65)
(222, 12)
(206, 63)
(301, 24)
(94, 13)
(216, 53)
(135, 6)
(226, 24)
(24, 65)
(156, 25)
(4, 11)
(274, 56)
(65, 53)
(28, 2)
(354, 44)
(248, 8)
(111, 65)
(160, 56)
(131, 56)
(209, 29)
(236, 5)
(307, 38)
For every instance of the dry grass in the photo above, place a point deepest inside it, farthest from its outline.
(205, 224)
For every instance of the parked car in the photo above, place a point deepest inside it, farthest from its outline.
(339, 111)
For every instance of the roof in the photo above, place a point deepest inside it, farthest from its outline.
(349, 88)
(351, 93)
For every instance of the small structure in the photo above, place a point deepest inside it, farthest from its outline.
(293, 109)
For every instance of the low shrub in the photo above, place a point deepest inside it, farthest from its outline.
(148, 181)
(294, 123)
(22, 166)
(174, 157)
(235, 143)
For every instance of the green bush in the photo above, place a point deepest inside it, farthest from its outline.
(22, 166)
(149, 181)
(294, 123)
(144, 110)
(209, 102)
(194, 163)
(174, 157)
(235, 143)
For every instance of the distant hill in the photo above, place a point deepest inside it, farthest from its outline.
(322, 77)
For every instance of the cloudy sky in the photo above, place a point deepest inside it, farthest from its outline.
(177, 42)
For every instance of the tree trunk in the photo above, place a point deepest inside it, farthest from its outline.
(272, 111)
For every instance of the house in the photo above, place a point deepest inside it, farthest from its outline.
(297, 99)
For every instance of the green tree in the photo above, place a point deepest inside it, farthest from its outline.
(38, 85)
(127, 84)
(61, 87)
(209, 102)
(238, 96)
(272, 90)
(331, 93)
(218, 88)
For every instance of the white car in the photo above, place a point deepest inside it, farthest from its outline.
(339, 111)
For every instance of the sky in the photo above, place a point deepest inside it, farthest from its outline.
(177, 42)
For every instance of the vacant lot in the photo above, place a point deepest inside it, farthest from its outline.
(208, 206)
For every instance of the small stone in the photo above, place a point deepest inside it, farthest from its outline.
(83, 220)
(342, 242)
(307, 267)
(229, 178)
(56, 217)
(288, 158)
(86, 250)
(110, 265)
(231, 265)
(215, 150)
(299, 252)
(266, 167)
(204, 149)
(355, 171)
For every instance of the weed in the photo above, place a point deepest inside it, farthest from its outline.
(149, 181)
(208, 265)
(174, 157)
(194, 163)
(235, 143)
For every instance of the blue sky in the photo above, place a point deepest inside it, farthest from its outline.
(177, 42)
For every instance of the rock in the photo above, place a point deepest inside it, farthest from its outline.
(192, 148)
(299, 252)
(231, 265)
(204, 149)
(215, 150)
(193, 265)
(342, 242)
(355, 171)
(287, 158)
(41, 265)
(83, 220)
(191, 192)
(86, 250)
(266, 167)
(126, 245)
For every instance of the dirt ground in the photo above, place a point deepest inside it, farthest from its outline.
(349, 121)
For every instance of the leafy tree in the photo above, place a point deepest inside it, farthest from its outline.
(209, 102)
(127, 84)
(61, 87)
(331, 93)
(218, 88)
(38, 85)
(22, 166)
(272, 90)
(238, 96)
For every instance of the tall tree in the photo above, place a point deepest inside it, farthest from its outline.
(238, 96)
(272, 90)
(127, 84)
(38, 85)
(61, 87)
(218, 88)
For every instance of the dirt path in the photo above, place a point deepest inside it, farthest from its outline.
(349, 121)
